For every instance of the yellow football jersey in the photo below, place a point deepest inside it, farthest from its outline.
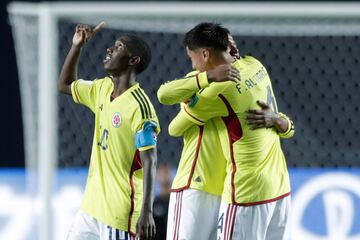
(113, 192)
(202, 162)
(256, 169)
(179, 90)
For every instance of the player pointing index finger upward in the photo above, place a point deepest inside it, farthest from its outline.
(118, 197)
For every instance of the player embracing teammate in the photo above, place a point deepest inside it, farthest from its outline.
(232, 181)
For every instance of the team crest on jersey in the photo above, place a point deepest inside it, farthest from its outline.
(116, 120)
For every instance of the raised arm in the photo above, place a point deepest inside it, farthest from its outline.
(180, 90)
(83, 34)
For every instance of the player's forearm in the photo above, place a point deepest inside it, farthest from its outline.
(69, 70)
(179, 125)
(180, 90)
(174, 130)
(148, 158)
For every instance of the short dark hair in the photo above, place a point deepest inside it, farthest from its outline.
(138, 47)
(211, 35)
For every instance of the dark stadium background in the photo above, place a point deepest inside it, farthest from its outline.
(12, 149)
(316, 80)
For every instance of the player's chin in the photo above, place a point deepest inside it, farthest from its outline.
(107, 65)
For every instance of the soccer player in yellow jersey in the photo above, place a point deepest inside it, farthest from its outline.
(256, 195)
(196, 190)
(118, 198)
(197, 199)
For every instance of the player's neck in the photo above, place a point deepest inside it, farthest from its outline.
(221, 58)
(123, 82)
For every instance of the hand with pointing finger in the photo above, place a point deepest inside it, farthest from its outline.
(83, 33)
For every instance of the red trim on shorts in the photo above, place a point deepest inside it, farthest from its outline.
(233, 222)
(177, 214)
(231, 218)
(265, 201)
(235, 132)
(226, 222)
(131, 236)
(181, 196)
(194, 162)
(136, 165)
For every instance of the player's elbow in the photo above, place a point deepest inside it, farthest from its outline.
(163, 96)
(174, 132)
(61, 87)
(64, 88)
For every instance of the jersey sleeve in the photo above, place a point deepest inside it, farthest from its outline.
(204, 106)
(291, 127)
(180, 90)
(180, 123)
(146, 136)
(84, 92)
(145, 126)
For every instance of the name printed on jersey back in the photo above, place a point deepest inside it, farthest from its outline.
(253, 81)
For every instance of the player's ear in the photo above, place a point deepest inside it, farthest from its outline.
(134, 60)
(205, 53)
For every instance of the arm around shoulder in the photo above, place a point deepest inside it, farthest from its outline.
(180, 90)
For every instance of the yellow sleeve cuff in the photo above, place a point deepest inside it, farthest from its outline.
(202, 80)
(146, 148)
(291, 128)
(158, 129)
(74, 93)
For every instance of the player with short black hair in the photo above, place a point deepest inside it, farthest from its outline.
(138, 47)
(118, 198)
(248, 152)
(198, 184)
(209, 35)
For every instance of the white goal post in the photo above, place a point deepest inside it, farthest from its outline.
(242, 18)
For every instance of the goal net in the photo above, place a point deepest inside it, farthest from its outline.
(311, 52)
